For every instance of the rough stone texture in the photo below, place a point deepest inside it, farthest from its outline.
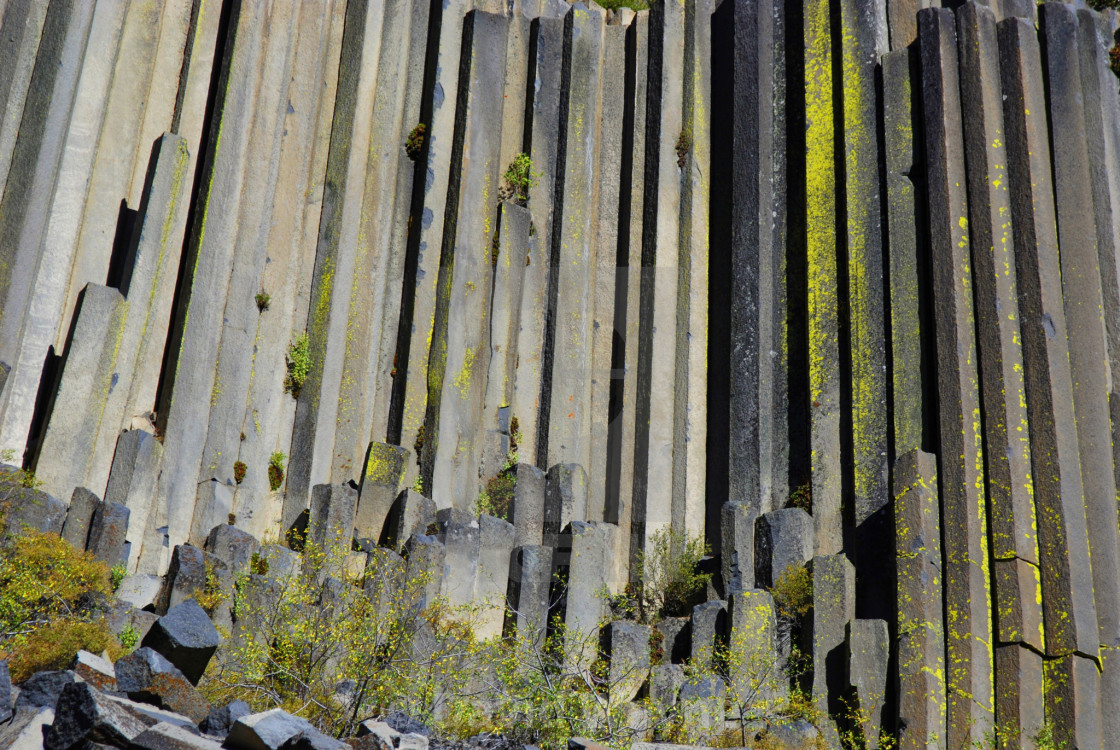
(426, 559)
(921, 629)
(107, 530)
(186, 638)
(869, 654)
(411, 514)
(380, 482)
(495, 545)
(30, 508)
(5, 692)
(783, 539)
(665, 682)
(1069, 611)
(709, 623)
(25, 730)
(221, 720)
(95, 670)
(164, 736)
(755, 662)
(676, 639)
(132, 482)
(565, 500)
(42, 689)
(529, 505)
(834, 607)
(628, 648)
(85, 714)
(186, 574)
(737, 540)
(331, 523)
(582, 564)
(232, 545)
(530, 577)
(266, 731)
(75, 529)
(961, 472)
(459, 532)
(1019, 688)
(148, 677)
(213, 506)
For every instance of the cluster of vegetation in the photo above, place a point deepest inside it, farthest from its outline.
(53, 601)
(671, 582)
(520, 179)
(802, 497)
(414, 146)
(1114, 57)
(497, 499)
(617, 4)
(1104, 4)
(684, 145)
(263, 300)
(276, 470)
(239, 469)
(299, 364)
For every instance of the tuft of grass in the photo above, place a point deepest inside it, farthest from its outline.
(276, 470)
(263, 300)
(521, 178)
(116, 576)
(129, 638)
(299, 364)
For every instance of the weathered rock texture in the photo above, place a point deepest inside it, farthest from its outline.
(828, 283)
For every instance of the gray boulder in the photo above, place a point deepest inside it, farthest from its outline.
(221, 720)
(148, 677)
(165, 736)
(42, 689)
(186, 637)
(232, 545)
(266, 731)
(84, 715)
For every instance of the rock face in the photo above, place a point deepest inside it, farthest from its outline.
(148, 677)
(757, 260)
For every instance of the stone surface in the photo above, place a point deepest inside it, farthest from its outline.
(75, 529)
(868, 666)
(783, 539)
(5, 692)
(709, 623)
(265, 731)
(380, 482)
(164, 736)
(147, 676)
(213, 506)
(132, 482)
(232, 545)
(83, 714)
(140, 591)
(331, 523)
(565, 500)
(95, 670)
(495, 545)
(411, 514)
(30, 508)
(628, 645)
(427, 557)
(834, 607)
(737, 540)
(530, 577)
(25, 730)
(529, 505)
(107, 531)
(221, 720)
(186, 638)
(42, 689)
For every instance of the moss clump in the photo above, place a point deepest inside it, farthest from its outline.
(276, 470)
(299, 364)
(263, 300)
(414, 146)
(520, 179)
(239, 469)
(497, 499)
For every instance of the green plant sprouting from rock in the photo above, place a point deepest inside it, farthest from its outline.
(276, 470)
(671, 579)
(414, 146)
(299, 364)
(520, 179)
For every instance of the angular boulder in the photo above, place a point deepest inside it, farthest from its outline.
(146, 676)
(84, 715)
(165, 736)
(186, 638)
(267, 731)
(42, 689)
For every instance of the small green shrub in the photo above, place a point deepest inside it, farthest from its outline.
(263, 300)
(414, 146)
(793, 593)
(116, 576)
(276, 470)
(299, 364)
(239, 469)
(802, 497)
(616, 4)
(129, 637)
(258, 565)
(521, 178)
(672, 583)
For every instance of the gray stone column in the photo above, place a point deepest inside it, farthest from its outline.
(961, 477)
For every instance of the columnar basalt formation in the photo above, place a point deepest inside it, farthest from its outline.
(515, 287)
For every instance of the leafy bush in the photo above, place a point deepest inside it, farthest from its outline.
(671, 580)
(129, 637)
(116, 576)
(276, 470)
(263, 300)
(299, 364)
(54, 645)
(802, 497)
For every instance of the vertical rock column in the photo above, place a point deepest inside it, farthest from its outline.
(340, 259)
(961, 472)
(132, 483)
(411, 396)
(461, 333)
(1088, 353)
(823, 302)
(654, 462)
(1016, 576)
(541, 141)
(566, 386)
(1068, 606)
(88, 378)
(921, 624)
(1101, 98)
